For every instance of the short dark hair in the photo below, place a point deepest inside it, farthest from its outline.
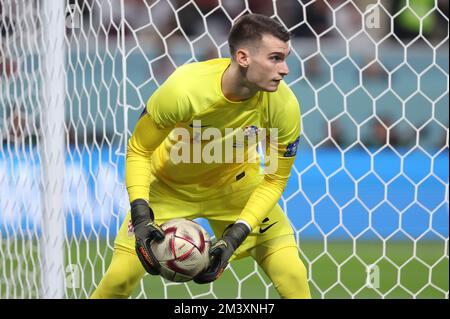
(252, 27)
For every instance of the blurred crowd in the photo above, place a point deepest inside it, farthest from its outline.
(194, 16)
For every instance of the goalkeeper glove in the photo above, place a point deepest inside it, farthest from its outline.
(221, 252)
(145, 231)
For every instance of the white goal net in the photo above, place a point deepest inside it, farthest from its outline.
(368, 196)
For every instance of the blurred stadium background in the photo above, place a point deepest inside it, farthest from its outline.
(368, 196)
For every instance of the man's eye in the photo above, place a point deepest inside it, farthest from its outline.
(275, 58)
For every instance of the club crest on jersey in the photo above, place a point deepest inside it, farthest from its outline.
(291, 149)
(251, 130)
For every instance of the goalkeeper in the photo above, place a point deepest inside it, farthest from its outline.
(240, 203)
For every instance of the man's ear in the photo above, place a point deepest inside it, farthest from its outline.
(243, 57)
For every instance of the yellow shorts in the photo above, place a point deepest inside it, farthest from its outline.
(220, 211)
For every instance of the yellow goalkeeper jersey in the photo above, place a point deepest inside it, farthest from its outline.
(191, 116)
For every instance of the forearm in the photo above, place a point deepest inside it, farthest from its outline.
(267, 194)
(137, 173)
(258, 206)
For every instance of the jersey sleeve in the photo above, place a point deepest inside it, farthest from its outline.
(147, 136)
(166, 107)
(283, 150)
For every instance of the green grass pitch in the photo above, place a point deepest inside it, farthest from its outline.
(425, 265)
(403, 268)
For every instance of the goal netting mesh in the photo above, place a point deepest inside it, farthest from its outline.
(368, 196)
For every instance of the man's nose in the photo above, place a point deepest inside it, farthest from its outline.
(284, 69)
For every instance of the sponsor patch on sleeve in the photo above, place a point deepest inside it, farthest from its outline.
(291, 149)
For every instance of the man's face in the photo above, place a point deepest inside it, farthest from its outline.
(267, 63)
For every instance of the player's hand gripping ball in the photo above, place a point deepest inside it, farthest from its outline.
(184, 252)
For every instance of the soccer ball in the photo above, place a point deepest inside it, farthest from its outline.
(184, 252)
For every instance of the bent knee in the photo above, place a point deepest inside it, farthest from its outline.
(296, 273)
(120, 279)
(290, 281)
(113, 285)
